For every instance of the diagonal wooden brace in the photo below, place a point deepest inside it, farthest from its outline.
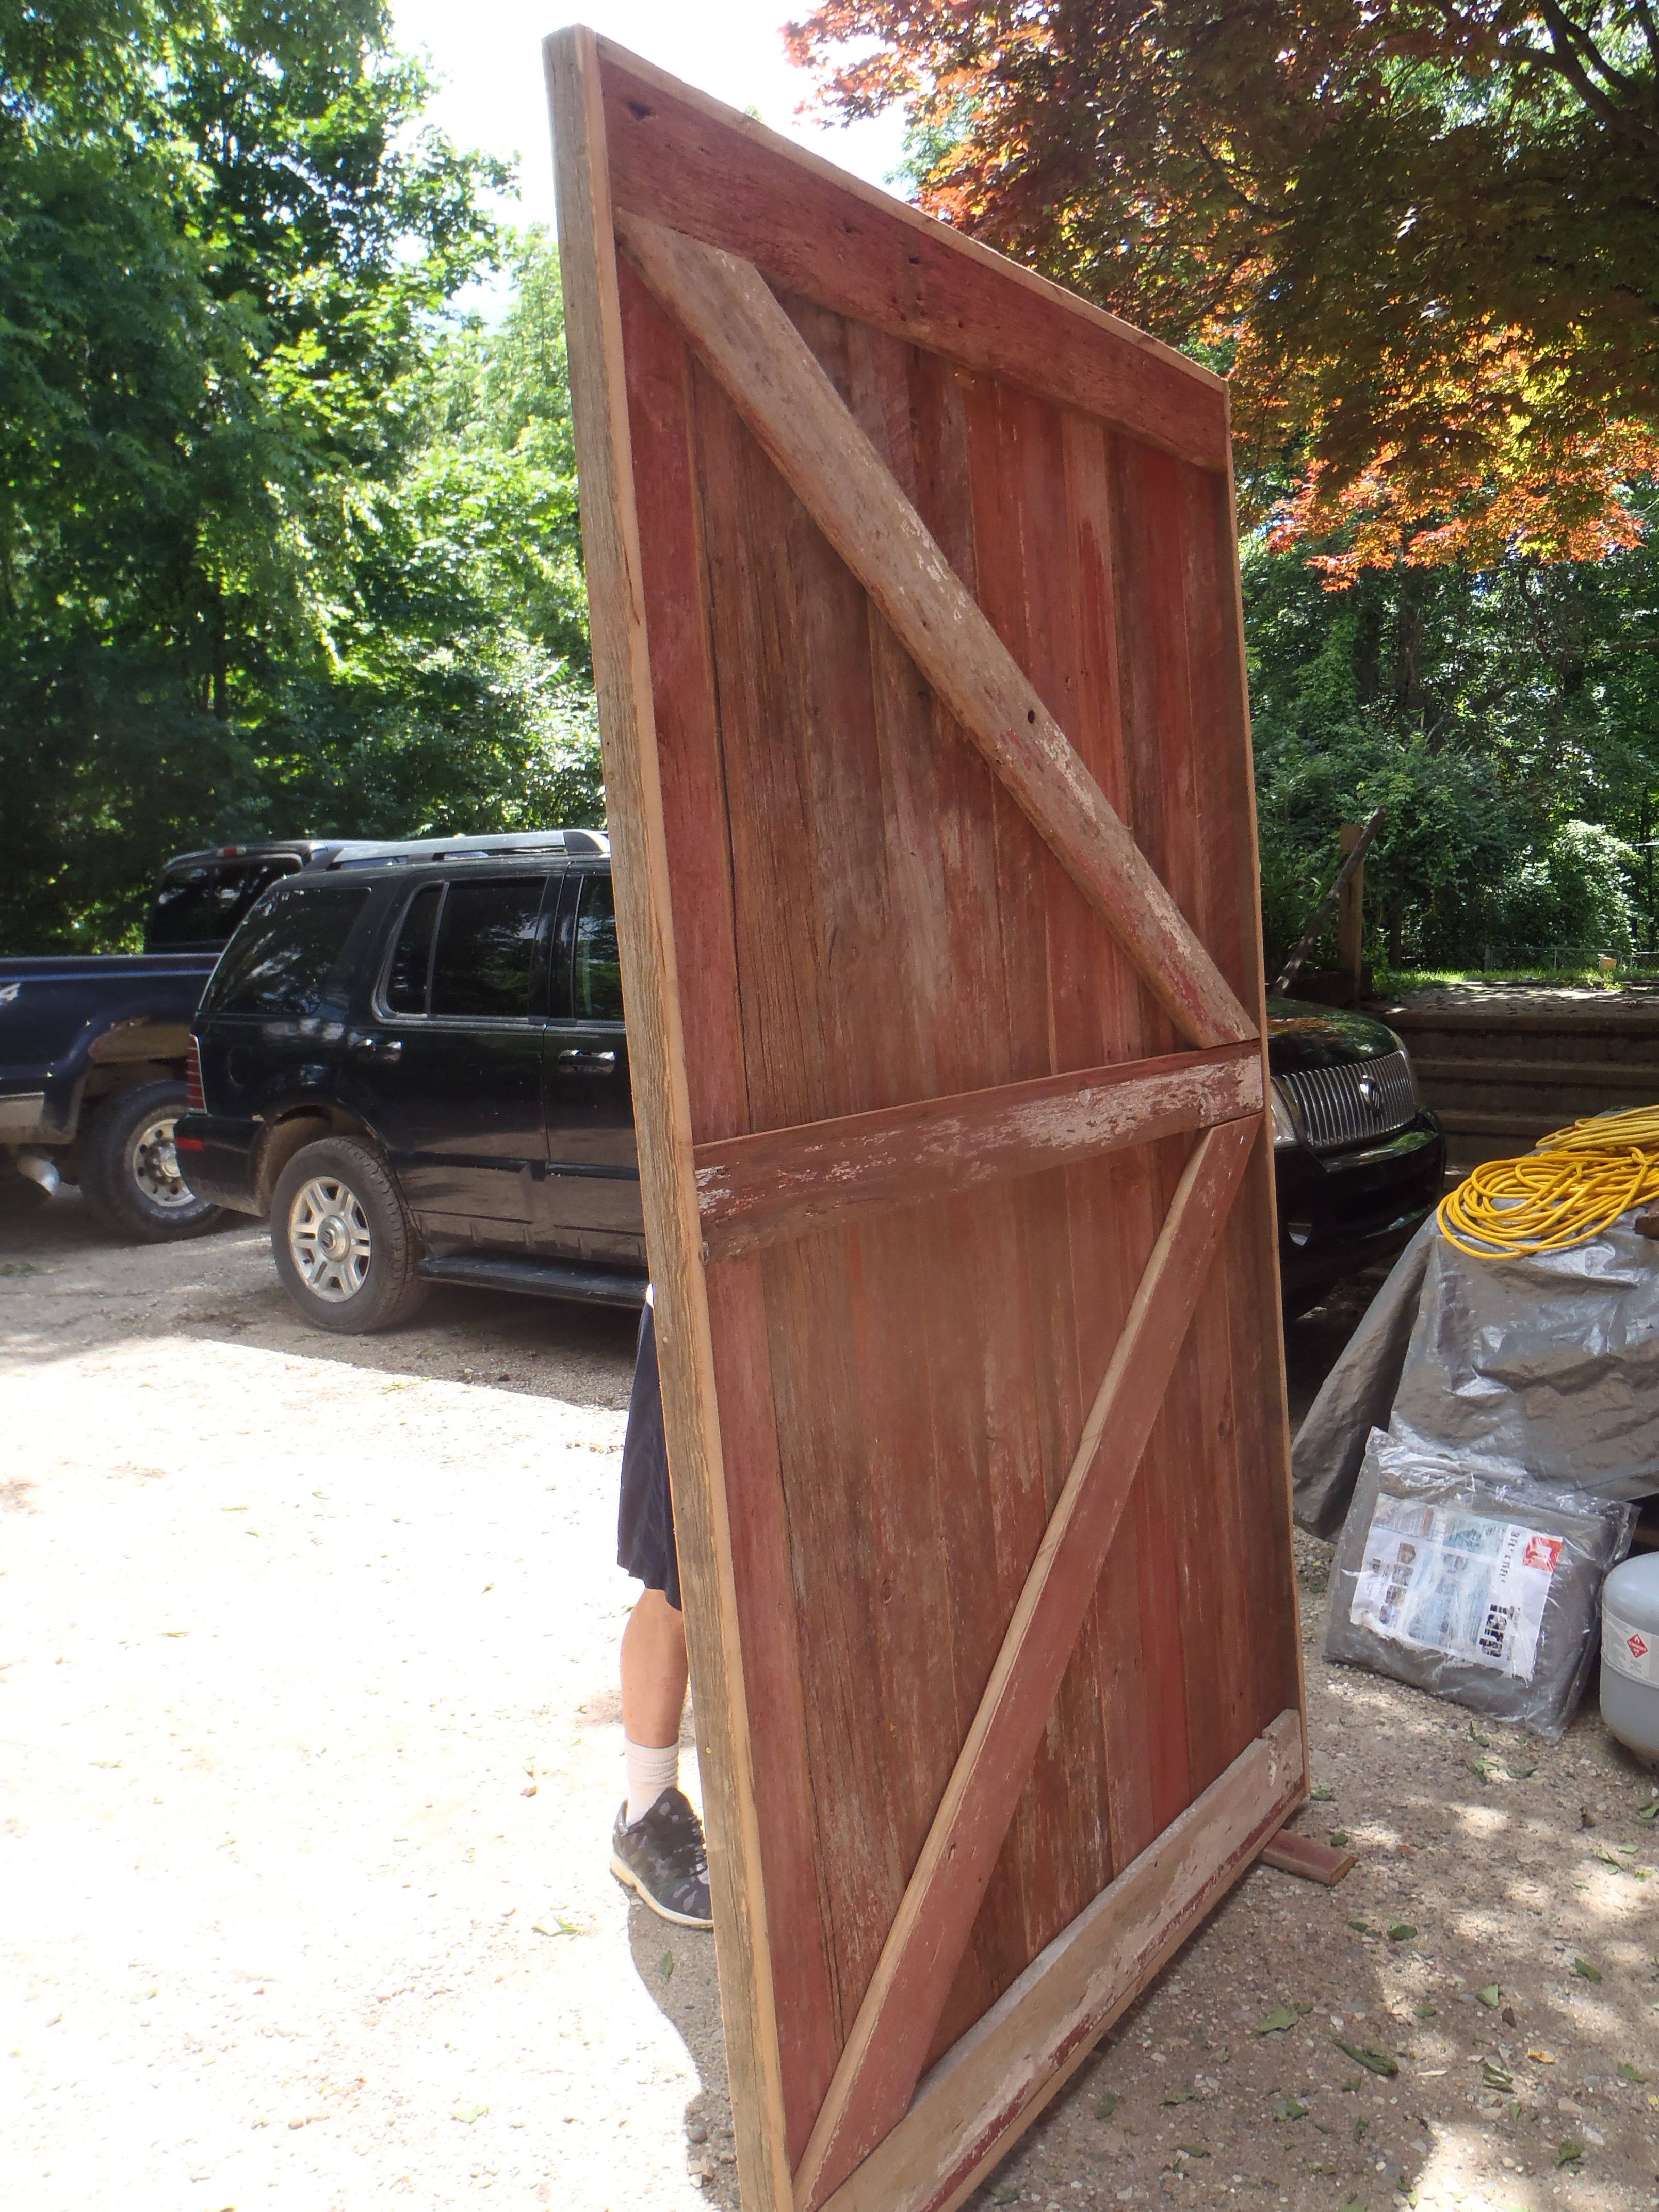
(776, 384)
(883, 2058)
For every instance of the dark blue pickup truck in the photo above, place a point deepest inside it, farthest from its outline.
(94, 1049)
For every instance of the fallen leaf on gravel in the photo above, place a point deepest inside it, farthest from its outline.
(1192, 2150)
(1289, 2108)
(1323, 1794)
(559, 1928)
(1585, 1972)
(1339, 1838)
(1423, 2012)
(1353, 2204)
(1543, 2057)
(1507, 2016)
(666, 1964)
(1357, 2082)
(1360, 2128)
(1586, 1818)
(1280, 2018)
(467, 2112)
(1176, 2096)
(1628, 2073)
(1490, 1995)
(1363, 1928)
(1570, 2153)
(1496, 2076)
(1323, 2168)
(1487, 1769)
(1649, 1811)
(1475, 1733)
(1402, 1932)
(1374, 2062)
(1106, 2105)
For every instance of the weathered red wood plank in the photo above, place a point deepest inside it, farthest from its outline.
(1307, 1856)
(740, 330)
(791, 1183)
(657, 1056)
(683, 159)
(878, 2067)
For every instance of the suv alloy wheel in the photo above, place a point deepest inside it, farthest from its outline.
(343, 1246)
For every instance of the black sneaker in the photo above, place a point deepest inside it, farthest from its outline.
(662, 1857)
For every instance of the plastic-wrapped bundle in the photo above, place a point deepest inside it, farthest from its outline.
(1482, 1588)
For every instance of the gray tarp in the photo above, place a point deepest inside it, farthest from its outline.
(1546, 1367)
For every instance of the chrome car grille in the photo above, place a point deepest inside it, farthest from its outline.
(1345, 1105)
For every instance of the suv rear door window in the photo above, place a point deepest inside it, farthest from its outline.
(597, 970)
(279, 964)
(486, 948)
(411, 955)
(202, 904)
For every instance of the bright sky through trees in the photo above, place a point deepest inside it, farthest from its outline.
(488, 54)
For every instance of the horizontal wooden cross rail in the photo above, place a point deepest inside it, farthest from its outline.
(758, 1190)
(882, 2058)
(777, 387)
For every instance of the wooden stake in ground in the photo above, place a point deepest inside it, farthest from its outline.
(916, 636)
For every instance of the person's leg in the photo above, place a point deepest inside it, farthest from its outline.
(653, 1675)
(657, 1844)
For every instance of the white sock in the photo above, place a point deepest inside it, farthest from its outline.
(651, 1769)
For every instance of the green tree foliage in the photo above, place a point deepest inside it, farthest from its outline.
(285, 544)
(1509, 721)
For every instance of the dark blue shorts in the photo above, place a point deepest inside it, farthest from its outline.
(645, 1516)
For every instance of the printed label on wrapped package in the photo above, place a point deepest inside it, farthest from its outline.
(1460, 1584)
(1627, 1649)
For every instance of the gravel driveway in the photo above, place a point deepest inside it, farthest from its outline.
(309, 1748)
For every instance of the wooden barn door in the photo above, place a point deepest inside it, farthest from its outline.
(916, 630)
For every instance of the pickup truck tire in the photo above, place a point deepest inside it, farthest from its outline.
(130, 1172)
(345, 1248)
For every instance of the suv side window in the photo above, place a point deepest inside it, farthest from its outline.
(278, 965)
(410, 965)
(596, 975)
(486, 948)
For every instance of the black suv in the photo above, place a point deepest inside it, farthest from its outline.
(413, 1058)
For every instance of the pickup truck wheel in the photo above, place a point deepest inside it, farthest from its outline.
(343, 1246)
(130, 1171)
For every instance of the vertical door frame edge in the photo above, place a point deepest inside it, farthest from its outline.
(1265, 1166)
(651, 993)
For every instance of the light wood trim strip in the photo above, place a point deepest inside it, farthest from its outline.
(662, 1109)
(879, 2065)
(777, 385)
(753, 1191)
(987, 2088)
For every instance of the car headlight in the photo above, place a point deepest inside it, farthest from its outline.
(1286, 1135)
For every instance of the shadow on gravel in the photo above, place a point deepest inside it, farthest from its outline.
(675, 1967)
(67, 1282)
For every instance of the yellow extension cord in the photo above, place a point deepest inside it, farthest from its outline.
(1577, 1182)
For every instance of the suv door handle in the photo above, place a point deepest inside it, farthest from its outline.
(581, 1062)
(377, 1047)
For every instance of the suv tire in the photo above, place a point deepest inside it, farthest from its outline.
(345, 1248)
(130, 1172)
